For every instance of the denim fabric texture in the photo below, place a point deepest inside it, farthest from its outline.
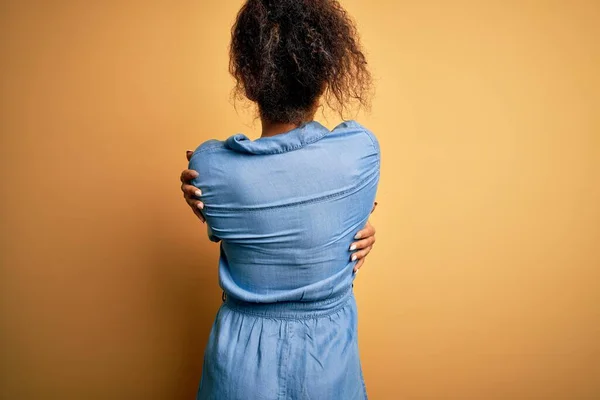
(285, 210)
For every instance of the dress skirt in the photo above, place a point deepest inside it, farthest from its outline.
(286, 350)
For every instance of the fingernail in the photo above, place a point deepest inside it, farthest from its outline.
(189, 151)
(198, 193)
(357, 236)
(353, 257)
(200, 206)
(353, 247)
(356, 272)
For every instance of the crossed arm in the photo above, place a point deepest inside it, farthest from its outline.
(365, 238)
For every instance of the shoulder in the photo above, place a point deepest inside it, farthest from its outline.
(352, 127)
(210, 145)
(206, 155)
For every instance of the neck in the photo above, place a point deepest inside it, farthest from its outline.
(275, 128)
(270, 128)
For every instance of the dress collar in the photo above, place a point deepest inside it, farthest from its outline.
(296, 138)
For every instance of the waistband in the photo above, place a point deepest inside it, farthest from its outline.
(291, 309)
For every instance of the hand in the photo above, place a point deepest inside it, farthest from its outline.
(190, 192)
(364, 245)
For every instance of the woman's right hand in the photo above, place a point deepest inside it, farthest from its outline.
(190, 192)
(365, 239)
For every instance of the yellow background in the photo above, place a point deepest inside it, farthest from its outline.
(484, 283)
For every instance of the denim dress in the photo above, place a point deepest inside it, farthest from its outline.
(285, 210)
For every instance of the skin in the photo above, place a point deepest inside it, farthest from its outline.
(365, 238)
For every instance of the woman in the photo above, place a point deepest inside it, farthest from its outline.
(286, 207)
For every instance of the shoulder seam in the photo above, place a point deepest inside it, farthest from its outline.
(211, 148)
(374, 141)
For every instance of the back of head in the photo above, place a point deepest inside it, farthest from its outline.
(286, 54)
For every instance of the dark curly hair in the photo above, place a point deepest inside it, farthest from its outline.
(286, 54)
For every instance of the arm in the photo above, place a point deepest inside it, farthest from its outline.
(190, 193)
(365, 238)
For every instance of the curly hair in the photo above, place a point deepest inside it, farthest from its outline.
(286, 54)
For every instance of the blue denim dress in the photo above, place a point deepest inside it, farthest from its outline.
(285, 210)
